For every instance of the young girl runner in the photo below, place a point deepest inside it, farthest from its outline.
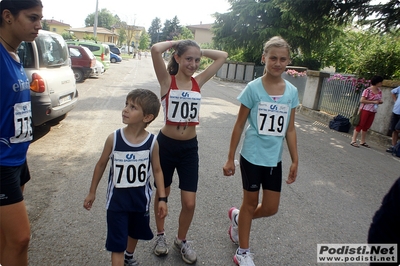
(268, 104)
(180, 96)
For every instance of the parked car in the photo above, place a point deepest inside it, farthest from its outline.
(48, 66)
(114, 48)
(100, 50)
(115, 58)
(99, 70)
(83, 62)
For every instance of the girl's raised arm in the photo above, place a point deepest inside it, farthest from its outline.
(219, 58)
(162, 74)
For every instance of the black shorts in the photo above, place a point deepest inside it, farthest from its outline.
(120, 225)
(182, 155)
(395, 122)
(12, 178)
(253, 176)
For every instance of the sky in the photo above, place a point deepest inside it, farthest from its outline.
(138, 13)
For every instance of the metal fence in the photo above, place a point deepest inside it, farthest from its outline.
(338, 97)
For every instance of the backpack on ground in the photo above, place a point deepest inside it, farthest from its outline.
(340, 123)
(396, 149)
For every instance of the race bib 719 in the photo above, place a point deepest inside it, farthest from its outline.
(272, 118)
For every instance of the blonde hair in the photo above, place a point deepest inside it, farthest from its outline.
(277, 42)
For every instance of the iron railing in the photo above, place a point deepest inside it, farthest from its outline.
(338, 97)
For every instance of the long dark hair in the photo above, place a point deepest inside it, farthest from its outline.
(15, 6)
(180, 49)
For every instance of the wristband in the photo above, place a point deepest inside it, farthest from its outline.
(163, 199)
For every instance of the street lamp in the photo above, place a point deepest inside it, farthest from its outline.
(95, 20)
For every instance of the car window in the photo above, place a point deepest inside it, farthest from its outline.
(52, 50)
(92, 48)
(106, 49)
(90, 54)
(25, 53)
(74, 52)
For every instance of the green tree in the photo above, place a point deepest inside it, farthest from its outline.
(155, 30)
(144, 42)
(185, 34)
(384, 17)
(171, 29)
(365, 53)
(122, 37)
(68, 36)
(105, 19)
(45, 25)
(308, 25)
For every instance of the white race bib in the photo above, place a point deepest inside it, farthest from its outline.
(22, 123)
(272, 118)
(131, 168)
(183, 106)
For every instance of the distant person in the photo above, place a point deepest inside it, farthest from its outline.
(385, 227)
(371, 97)
(180, 95)
(19, 21)
(134, 155)
(395, 120)
(268, 104)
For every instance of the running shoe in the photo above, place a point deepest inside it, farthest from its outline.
(187, 252)
(160, 245)
(131, 262)
(245, 259)
(233, 228)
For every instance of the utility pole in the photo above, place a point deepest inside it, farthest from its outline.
(95, 20)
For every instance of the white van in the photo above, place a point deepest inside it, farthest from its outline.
(48, 67)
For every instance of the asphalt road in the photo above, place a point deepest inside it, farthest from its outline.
(337, 191)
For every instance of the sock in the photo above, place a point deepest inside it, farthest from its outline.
(181, 240)
(160, 233)
(128, 255)
(242, 251)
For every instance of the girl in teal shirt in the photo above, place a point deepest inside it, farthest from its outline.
(268, 104)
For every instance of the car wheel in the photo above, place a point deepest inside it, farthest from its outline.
(113, 60)
(78, 75)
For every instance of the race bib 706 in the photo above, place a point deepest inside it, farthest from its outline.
(131, 168)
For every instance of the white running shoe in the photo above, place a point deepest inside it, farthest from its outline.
(160, 245)
(233, 228)
(246, 259)
(188, 254)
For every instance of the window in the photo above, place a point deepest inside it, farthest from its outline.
(25, 53)
(52, 50)
(92, 48)
(74, 52)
